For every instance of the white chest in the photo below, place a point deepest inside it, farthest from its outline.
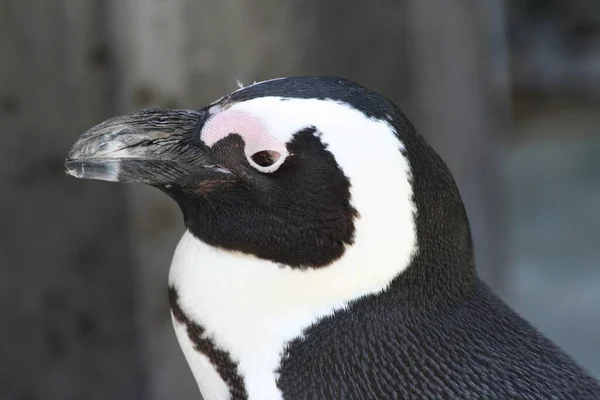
(234, 302)
(251, 308)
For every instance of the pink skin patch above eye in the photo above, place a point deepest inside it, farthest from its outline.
(252, 129)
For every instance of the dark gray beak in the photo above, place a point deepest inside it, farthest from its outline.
(155, 147)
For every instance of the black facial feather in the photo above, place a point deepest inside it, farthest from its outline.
(299, 215)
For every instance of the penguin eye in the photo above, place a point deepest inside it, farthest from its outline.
(265, 158)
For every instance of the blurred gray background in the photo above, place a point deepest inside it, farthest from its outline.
(507, 91)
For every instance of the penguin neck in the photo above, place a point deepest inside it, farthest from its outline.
(443, 270)
(215, 285)
(251, 308)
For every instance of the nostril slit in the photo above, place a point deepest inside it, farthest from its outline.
(265, 158)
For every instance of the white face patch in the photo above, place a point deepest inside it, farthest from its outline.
(254, 132)
(251, 307)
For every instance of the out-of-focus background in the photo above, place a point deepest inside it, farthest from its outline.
(507, 91)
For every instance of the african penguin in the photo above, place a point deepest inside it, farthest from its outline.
(327, 253)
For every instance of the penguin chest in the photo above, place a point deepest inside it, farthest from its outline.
(223, 373)
(236, 314)
(226, 369)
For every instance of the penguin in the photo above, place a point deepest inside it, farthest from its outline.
(327, 252)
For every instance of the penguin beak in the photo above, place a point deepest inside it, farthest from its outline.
(155, 147)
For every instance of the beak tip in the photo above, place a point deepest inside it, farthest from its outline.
(72, 167)
(104, 170)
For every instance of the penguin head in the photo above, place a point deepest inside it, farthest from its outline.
(304, 173)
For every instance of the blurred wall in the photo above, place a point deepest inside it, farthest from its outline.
(66, 277)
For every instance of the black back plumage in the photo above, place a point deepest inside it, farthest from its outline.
(476, 348)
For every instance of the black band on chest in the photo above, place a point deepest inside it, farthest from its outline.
(220, 359)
